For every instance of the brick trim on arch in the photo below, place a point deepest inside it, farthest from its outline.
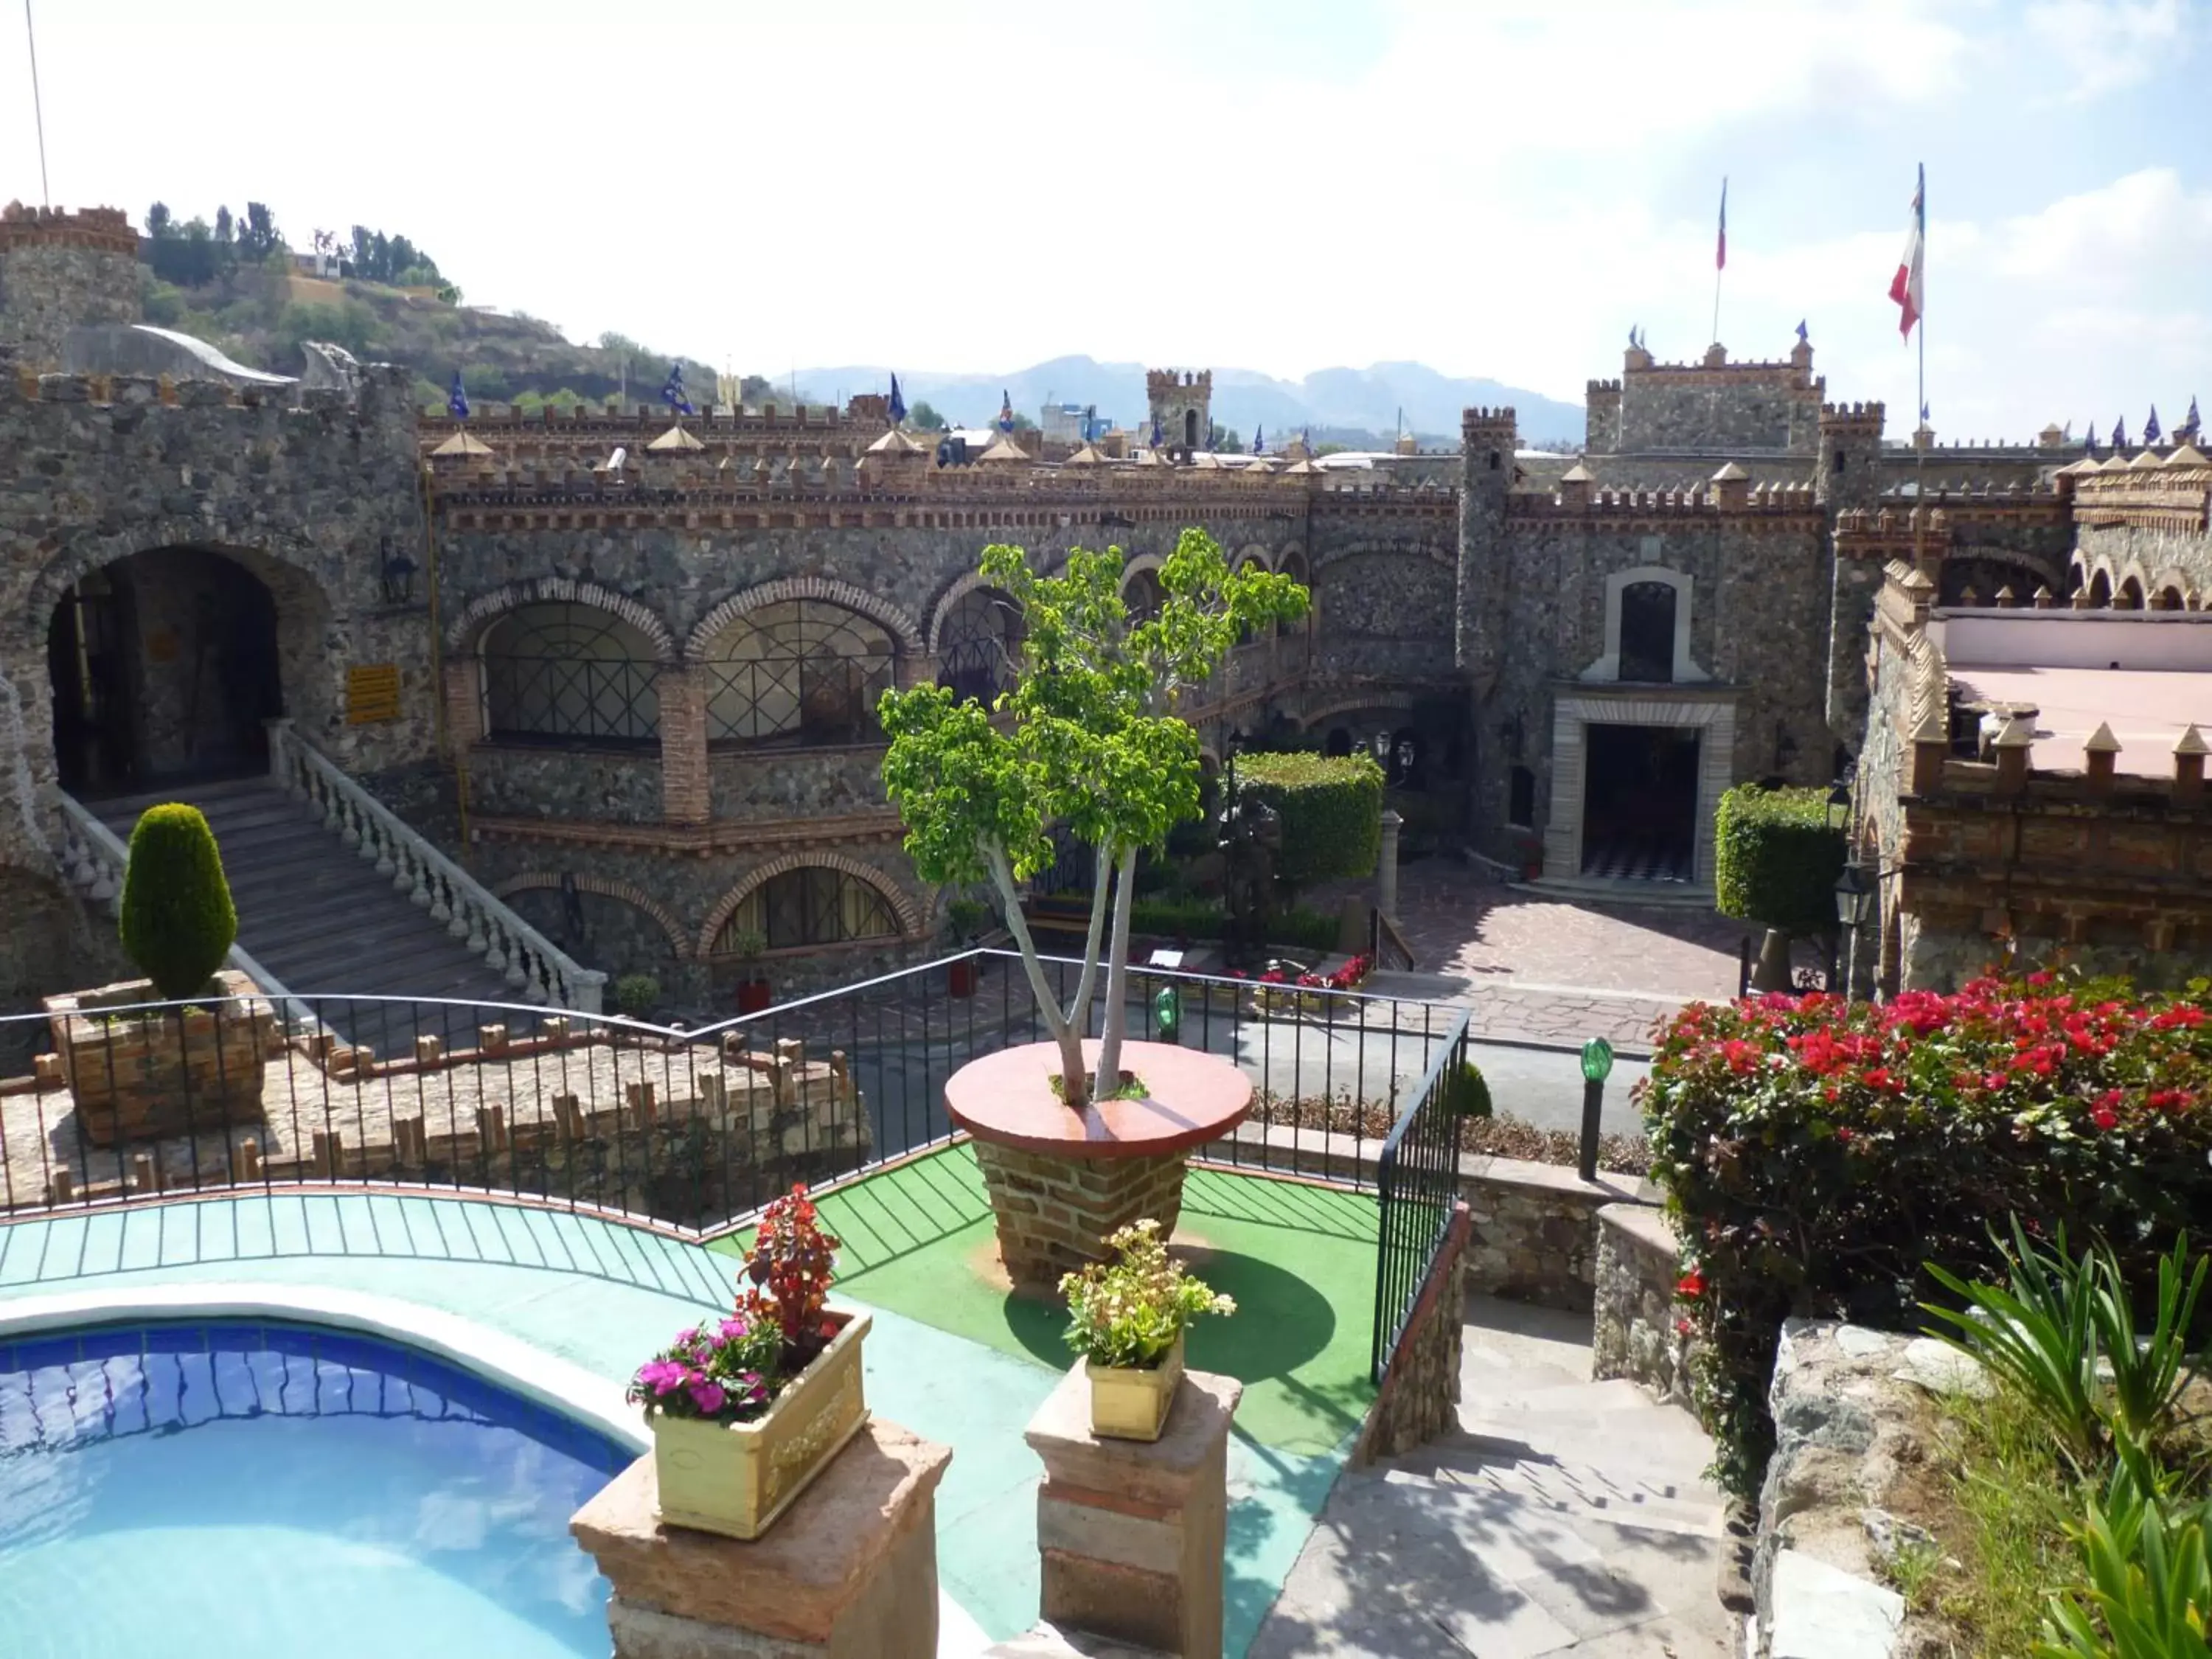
(1440, 557)
(908, 631)
(967, 583)
(1371, 703)
(637, 897)
(486, 607)
(1252, 553)
(910, 916)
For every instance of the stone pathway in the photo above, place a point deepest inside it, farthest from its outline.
(1566, 1517)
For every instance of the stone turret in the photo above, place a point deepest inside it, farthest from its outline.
(1181, 406)
(58, 271)
(1847, 479)
(1487, 441)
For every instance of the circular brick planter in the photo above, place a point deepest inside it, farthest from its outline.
(1061, 1180)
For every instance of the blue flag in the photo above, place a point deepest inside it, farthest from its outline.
(1089, 423)
(2150, 426)
(2090, 443)
(1803, 338)
(1259, 444)
(1005, 412)
(457, 400)
(898, 403)
(673, 393)
(2192, 426)
(1158, 437)
(2120, 432)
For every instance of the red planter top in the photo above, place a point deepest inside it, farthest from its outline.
(1191, 1097)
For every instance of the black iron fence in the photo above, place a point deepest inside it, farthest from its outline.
(1416, 1180)
(691, 1130)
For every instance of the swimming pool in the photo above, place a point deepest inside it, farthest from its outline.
(215, 1489)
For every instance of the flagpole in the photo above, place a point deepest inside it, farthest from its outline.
(38, 106)
(1921, 436)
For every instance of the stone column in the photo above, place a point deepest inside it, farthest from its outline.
(686, 793)
(1132, 1533)
(464, 703)
(1385, 865)
(848, 1572)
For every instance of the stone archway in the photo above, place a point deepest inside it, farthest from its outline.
(164, 663)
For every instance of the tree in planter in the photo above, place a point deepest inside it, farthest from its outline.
(1087, 738)
(1776, 859)
(176, 918)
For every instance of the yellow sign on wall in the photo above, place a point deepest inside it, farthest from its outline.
(372, 694)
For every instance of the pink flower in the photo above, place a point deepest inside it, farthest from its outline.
(661, 1375)
(708, 1395)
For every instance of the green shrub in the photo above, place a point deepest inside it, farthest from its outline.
(637, 993)
(1776, 859)
(1331, 808)
(1466, 1091)
(1818, 1155)
(176, 917)
(1294, 925)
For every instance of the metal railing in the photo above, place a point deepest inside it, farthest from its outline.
(539, 969)
(1416, 1179)
(690, 1131)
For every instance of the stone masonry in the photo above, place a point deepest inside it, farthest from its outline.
(1055, 1213)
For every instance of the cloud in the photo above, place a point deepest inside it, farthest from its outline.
(2106, 47)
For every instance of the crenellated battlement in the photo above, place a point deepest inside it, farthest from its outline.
(1484, 419)
(1853, 417)
(1164, 382)
(104, 230)
(1733, 499)
(1600, 388)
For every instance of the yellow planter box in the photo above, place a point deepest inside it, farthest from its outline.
(735, 1479)
(1132, 1405)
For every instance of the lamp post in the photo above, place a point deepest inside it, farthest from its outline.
(1597, 1065)
(1854, 895)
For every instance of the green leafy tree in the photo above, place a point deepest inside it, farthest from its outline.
(923, 418)
(157, 221)
(175, 914)
(258, 237)
(1088, 738)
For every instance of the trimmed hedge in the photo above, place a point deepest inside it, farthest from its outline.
(1818, 1154)
(1776, 859)
(1205, 919)
(175, 915)
(1331, 807)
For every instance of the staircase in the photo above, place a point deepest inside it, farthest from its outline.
(310, 911)
(1565, 1516)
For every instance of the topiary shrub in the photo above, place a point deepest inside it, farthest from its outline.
(637, 995)
(1466, 1091)
(176, 917)
(1776, 859)
(1331, 808)
(1819, 1154)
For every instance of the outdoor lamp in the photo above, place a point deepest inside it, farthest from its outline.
(1597, 1061)
(1167, 1016)
(1382, 749)
(1839, 800)
(1854, 894)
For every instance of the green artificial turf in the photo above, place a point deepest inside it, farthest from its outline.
(1299, 1258)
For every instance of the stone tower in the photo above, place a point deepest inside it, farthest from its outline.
(1487, 439)
(1847, 479)
(1182, 407)
(58, 271)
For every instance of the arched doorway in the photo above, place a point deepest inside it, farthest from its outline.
(164, 666)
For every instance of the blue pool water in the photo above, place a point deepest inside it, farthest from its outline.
(221, 1489)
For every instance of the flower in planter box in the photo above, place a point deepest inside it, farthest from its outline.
(789, 1271)
(1128, 1312)
(728, 1374)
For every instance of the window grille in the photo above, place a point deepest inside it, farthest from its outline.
(977, 648)
(801, 672)
(562, 673)
(812, 905)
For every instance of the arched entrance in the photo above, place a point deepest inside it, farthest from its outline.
(163, 666)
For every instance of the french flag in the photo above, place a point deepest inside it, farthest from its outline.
(1904, 287)
(1720, 249)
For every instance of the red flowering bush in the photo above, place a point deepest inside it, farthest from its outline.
(788, 1270)
(1817, 1154)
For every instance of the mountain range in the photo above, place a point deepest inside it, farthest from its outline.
(1334, 401)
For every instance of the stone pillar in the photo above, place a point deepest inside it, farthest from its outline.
(1132, 1533)
(686, 793)
(848, 1572)
(1386, 866)
(464, 702)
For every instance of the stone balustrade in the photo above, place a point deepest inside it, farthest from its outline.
(540, 970)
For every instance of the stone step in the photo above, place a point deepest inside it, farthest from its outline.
(1615, 1495)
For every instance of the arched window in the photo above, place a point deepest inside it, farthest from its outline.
(1647, 632)
(1190, 429)
(977, 648)
(558, 671)
(1141, 597)
(2130, 597)
(800, 672)
(812, 905)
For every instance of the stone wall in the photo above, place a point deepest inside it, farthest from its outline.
(1635, 1335)
(2155, 558)
(1419, 1400)
(58, 269)
(1534, 1233)
(1719, 407)
(49, 944)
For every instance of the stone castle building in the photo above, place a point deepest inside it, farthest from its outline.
(626, 668)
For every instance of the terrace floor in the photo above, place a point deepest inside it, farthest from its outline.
(953, 1355)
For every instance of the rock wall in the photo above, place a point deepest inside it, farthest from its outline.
(1534, 1235)
(1635, 1334)
(58, 269)
(1419, 1400)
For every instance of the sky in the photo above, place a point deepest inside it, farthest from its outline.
(1499, 190)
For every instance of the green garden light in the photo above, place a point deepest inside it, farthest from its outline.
(1597, 1065)
(1167, 1016)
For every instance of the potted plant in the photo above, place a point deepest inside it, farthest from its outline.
(1088, 738)
(965, 918)
(183, 1070)
(637, 995)
(747, 1411)
(754, 991)
(1126, 1318)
